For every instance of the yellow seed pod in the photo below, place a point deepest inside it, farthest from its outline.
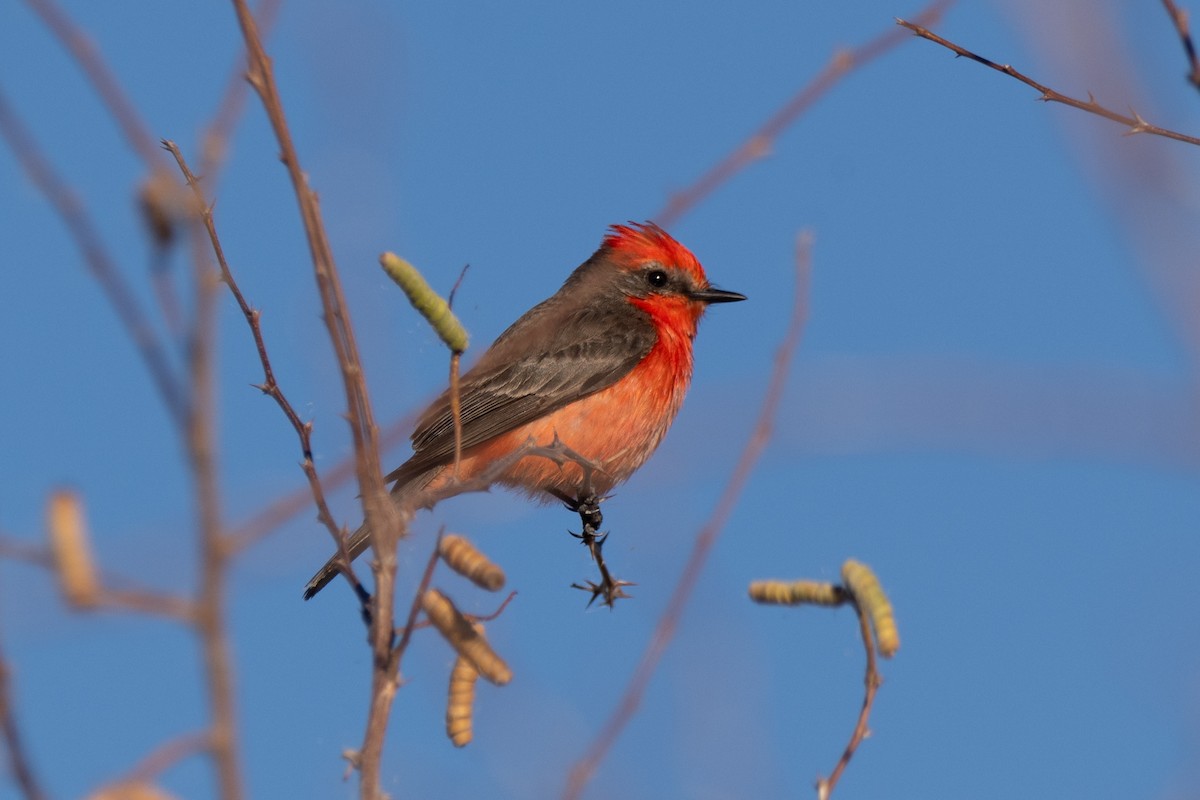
(463, 637)
(462, 557)
(869, 595)
(794, 593)
(425, 300)
(71, 549)
(461, 702)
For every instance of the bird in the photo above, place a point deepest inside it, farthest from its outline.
(595, 373)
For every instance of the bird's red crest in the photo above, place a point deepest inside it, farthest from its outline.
(648, 242)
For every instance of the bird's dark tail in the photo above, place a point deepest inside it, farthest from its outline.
(359, 541)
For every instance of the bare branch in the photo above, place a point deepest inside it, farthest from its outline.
(166, 756)
(1135, 123)
(100, 597)
(872, 682)
(17, 550)
(96, 258)
(214, 555)
(107, 87)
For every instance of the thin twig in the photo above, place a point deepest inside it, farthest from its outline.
(454, 289)
(18, 759)
(269, 386)
(872, 681)
(495, 614)
(415, 608)
(583, 770)
(1180, 18)
(96, 258)
(1134, 123)
(761, 142)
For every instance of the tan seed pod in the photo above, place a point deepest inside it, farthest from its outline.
(463, 557)
(71, 549)
(867, 591)
(130, 790)
(463, 637)
(461, 702)
(794, 593)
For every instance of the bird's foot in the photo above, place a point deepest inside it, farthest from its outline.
(610, 588)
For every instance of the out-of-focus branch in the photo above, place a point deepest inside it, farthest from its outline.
(214, 555)
(761, 142)
(282, 509)
(107, 87)
(1180, 18)
(164, 757)
(18, 760)
(216, 136)
(99, 596)
(585, 768)
(16, 550)
(99, 263)
(1134, 123)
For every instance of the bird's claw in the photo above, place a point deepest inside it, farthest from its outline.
(590, 538)
(610, 588)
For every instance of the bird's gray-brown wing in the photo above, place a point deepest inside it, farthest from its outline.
(540, 364)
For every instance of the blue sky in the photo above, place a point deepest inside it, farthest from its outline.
(994, 405)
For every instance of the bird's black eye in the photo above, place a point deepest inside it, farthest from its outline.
(657, 278)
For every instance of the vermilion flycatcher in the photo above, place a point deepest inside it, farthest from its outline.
(602, 367)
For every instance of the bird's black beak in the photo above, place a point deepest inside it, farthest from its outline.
(711, 295)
